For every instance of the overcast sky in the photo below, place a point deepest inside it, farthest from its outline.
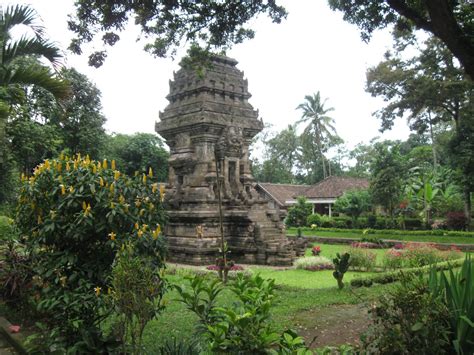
(314, 49)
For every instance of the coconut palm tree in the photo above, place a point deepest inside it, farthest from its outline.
(320, 127)
(19, 61)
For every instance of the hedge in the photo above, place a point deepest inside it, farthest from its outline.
(393, 276)
(436, 232)
(371, 221)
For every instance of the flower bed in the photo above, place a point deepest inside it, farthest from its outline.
(313, 263)
(418, 254)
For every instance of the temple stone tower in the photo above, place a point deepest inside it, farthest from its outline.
(208, 126)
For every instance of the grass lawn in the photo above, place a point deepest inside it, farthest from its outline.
(405, 238)
(293, 307)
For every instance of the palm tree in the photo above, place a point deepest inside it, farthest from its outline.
(320, 128)
(19, 62)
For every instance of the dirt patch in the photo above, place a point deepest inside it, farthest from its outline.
(333, 325)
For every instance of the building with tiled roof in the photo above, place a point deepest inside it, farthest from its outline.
(278, 194)
(321, 195)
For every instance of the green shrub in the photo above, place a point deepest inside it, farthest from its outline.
(397, 232)
(343, 222)
(298, 213)
(371, 221)
(362, 259)
(243, 327)
(6, 228)
(136, 293)
(327, 222)
(393, 276)
(457, 292)
(74, 214)
(313, 219)
(413, 223)
(410, 319)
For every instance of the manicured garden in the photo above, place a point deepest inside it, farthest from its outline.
(102, 284)
(405, 236)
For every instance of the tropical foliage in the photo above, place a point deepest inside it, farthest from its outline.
(19, 66)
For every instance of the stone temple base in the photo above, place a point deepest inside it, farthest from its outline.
(253, 236)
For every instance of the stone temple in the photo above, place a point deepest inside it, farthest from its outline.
(209, 125)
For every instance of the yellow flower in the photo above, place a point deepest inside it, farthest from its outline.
(151, 206)
(61, 156)
(112, 235)
(23, 177)
(101, 181)
(99, 166)
(142, 212)
(86, 207)
(68, 166)
(137, 226)
(154, 187)
(144, 227)
(94, 168)
(46, 164)
(112, 205)
(97, 290)
(121, 199)
(112, 164)
(71, 189)
(116, 173)
(150, 172)
(138, 203)
(88, 159)
(156, 232)
(63, 189)
(104, 164)
(112, 186)
(162, 192)
(78, 156)
(140, 233)
(144, 179)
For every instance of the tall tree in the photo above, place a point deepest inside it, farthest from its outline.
(448, 20)
(320, 130)
(168, 23)
(17, 70)
(138, 152)
(432, 90)
(81, 119)
(222, 23)
(386, 176)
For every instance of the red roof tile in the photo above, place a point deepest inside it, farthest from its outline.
(283, 192)
(335, 186)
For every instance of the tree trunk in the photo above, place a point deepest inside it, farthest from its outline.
(443, 24)
(433, 146)
(324, 166)
(467, 207)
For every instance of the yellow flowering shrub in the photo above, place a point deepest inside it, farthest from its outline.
(75, 214)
